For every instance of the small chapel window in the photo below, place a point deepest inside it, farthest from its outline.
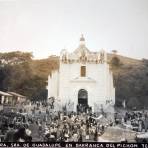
(83, 71)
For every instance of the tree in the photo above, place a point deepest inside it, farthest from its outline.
(115, 62)
(15, 57)
(133, 102)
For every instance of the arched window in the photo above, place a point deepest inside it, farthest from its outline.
(83, 71)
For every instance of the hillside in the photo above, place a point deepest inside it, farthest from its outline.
(130, 78)
(44, 67)
(20, 73)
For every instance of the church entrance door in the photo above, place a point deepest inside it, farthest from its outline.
(82, 101)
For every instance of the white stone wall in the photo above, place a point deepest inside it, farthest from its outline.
(53, 84)
(98, 83)
(65, 83)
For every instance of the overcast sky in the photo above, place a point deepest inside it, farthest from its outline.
(47, 26)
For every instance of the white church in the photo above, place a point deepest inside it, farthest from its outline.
(83, 81)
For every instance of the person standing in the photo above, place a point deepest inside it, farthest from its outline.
(10, 134)
(140, 126)
(146, 122)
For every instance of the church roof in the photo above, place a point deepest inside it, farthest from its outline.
(4, 94)
(16, 94)
(82, 48)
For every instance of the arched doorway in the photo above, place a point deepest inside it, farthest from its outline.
(82, 100)
(83, 97)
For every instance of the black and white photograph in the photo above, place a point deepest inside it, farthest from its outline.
(74, 71)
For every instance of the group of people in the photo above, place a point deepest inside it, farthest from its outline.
(14, 127)
(138, 120)
(63, 126)
(72, 128)
(22, 134)
(51, 126)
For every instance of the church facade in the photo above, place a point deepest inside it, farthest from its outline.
(83, 81)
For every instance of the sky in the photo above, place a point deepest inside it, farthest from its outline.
(45, 27)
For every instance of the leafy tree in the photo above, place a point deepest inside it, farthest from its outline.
(115, 62)
(15, 57)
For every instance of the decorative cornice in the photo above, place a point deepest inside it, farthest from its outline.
(83, 79)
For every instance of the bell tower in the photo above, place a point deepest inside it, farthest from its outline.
(82, 40)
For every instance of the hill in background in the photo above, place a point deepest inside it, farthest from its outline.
(29, 77)
(130, 80)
